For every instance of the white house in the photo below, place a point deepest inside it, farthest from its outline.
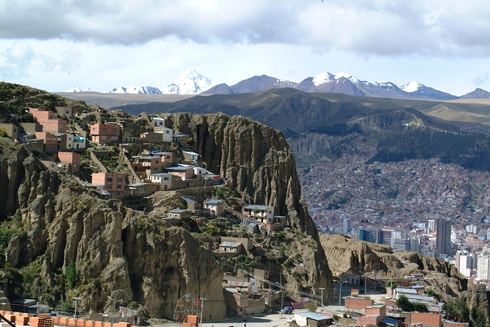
(164, 180)
(215, 207)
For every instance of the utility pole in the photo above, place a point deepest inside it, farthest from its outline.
(76, 299)
(202, 308)
(340, 290)
(321, 290)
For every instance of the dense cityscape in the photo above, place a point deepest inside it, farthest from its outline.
(401, 204)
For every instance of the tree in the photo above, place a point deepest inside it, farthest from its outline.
(311, 306)
(420, 307)
(71, 275)
(404, 303)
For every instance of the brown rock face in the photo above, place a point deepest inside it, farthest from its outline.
(129, 255)
(346, 255)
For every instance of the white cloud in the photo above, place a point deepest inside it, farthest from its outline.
(380, 27)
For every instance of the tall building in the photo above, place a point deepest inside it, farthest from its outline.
(346, 226)
(483, 267)
(401, 244)
(365, 235)
(431, 225)
(415, 244)
(395, 235)
(443, 237)
(380, 237)
(465, 262)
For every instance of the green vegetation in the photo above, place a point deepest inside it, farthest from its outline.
(71, 275)
(311, 306)
(222, 192)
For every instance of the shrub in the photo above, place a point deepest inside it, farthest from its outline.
(71, 275)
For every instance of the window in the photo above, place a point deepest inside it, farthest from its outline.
(167, 132)
(165, 178)
(94, 129)
(119, 186)
(109, 186)
(109, 179)
(104, 129)
(119, 179)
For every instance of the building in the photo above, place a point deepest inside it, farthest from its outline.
(50, 141)
(114, 183)
(70, 161)
(105, 133)
(365, 235)
(401, 244)
(443, 237)
(214, 207)
(260, 213)
(190, 156)
(48, 120)
(346, 226)
(483, 267)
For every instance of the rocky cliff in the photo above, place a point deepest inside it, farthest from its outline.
(133, 256)
(346, 255)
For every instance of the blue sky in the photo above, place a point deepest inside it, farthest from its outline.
(101, 44)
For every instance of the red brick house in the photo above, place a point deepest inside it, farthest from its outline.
(70, 160)
(105, 133)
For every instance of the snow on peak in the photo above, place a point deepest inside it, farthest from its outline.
(412, 87)
(74, 89)
(136, 90)
(190, 82)
(322, 78)
(351, 78)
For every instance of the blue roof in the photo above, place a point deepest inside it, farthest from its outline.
(253, 206)
(188, 199)
(390, 321)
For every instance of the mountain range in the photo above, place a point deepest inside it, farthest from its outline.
(192, 83)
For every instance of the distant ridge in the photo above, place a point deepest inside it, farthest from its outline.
(476, 94)
(193, 83)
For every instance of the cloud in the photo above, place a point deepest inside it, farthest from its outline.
(378, 27)
(19, 60)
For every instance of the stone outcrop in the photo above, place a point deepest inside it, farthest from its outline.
(346, 255)
(133, 256)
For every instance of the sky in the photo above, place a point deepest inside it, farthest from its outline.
(97, 45)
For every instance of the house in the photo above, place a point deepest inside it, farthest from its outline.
(142, 189)
(313, 319)
(167, 134)
(50, 141)
(11, 130)
(177, 214)
(353, 303)
(114, 183)
(158, 123)
(260, 213)
(105, 133)
(167, 158)
(192, 204)
(163, 180)
(372, 315)
(246, 242)
(427, 318)
(144, 166)
(185, 173)
(151, 137)
(190, 157)
(70, 161)
(214, 207)
(32, 128)
(231, 248)
(48, 120)
(79, 142)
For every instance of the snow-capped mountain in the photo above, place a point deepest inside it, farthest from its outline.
(419, 90)
(136, 90)
(74, 89)
(190, 82)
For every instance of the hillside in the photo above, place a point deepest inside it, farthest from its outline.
(79, 242)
